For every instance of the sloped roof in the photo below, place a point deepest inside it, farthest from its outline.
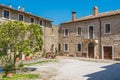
(100, 15)
(24, 12)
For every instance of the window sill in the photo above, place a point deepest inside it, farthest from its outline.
(78, 35)
(107, 33)
(79, 51)
(65, 36)
(6, 18)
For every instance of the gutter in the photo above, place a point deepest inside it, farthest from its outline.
(100, 50)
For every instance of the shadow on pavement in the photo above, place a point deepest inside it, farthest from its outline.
(29, 69)
(111, 72)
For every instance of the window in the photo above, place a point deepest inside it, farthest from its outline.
(41, 23)
(59, 47)
(32, 20)
(79, 46)
(66, 47)
(107, 28)
(66, 32)
(79, 31)
(6, 14)
(20, 17)
(91, 32)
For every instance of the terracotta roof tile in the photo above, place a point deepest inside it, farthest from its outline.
(104, 14)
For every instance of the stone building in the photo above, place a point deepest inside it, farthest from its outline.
(93, 36)
(50, 31)
(51, 39)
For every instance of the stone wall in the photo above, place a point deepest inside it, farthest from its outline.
(14, 16)
(73, 39)
(106, 39)
(50, 38)
(112, 39)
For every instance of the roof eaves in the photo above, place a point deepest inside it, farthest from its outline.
(100, 15)
(25, 13)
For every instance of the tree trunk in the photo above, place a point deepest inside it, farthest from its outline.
(14, 61)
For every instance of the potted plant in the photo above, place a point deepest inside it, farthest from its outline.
(27, 57)
(9, 70)
(17, 58)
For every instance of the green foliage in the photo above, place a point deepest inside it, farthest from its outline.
(17, 36)
(44, 55)
(21, 65)
(22, 77)
(35, 36)
(9, 68)
(17, 55)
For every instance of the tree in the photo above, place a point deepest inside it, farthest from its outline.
(19, 37)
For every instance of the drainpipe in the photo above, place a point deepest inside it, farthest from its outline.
(100, 50)
(44, 50)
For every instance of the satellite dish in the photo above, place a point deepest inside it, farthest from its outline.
(18, 7)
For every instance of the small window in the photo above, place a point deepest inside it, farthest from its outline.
(20, 17)
(66, 47)
(107, 28)
(32, 20)
(66, 32)
(91, 32)
(6, 14)
(79, 31)
(79, 46)
(41, 23)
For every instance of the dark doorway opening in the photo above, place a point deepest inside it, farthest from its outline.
(91, 50)
(107, 52)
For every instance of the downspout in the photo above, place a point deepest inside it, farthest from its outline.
(100, 50)
(44, 50)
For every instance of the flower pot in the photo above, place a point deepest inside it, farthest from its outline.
(27, 58)
(9, 74)
(17, 59)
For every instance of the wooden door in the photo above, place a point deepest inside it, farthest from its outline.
(91, 50)
(107, 52)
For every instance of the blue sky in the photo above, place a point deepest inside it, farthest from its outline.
(60, 10)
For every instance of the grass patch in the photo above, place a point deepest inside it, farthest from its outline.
(39, 62)
(22, 77)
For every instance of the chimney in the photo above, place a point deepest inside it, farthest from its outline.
(23, 9)
(10, 5)
(95, 11)
(73, 15)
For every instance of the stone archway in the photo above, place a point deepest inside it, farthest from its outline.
(91, 48)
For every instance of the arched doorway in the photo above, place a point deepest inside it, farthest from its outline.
(91, 50)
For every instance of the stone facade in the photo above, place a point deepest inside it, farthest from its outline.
(51, 38)
(50, 34)
(102, 42)
(92, 42)
(73, 38)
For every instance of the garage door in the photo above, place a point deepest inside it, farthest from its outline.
(107, 52)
